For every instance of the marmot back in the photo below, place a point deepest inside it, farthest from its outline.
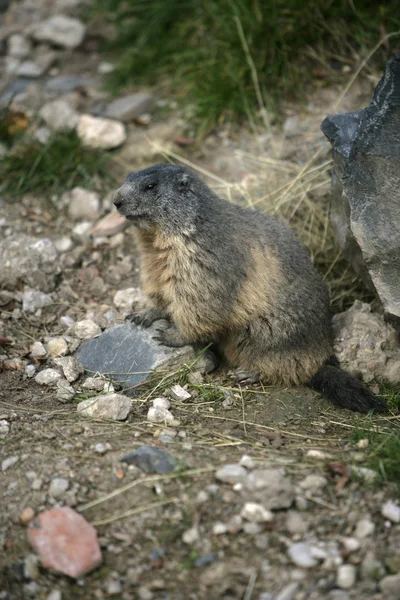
(235, 277)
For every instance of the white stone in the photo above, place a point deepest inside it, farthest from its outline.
(86, 329)
(81, 231)
(364, 528)
(295, 523)
(301, 556)
(368, 475)
(219, 528)
(58, 486)
(288, 592)
(346, 576)
(97, 132)
(231, 473)
(125, 299)
(59, 30)
(38, 350)
(32, 300)
(318, 455)
(65, 391)
(313, 483)
(54, 595)
(48, 377)
(160, 415)
(190, 536)
(247, 462)
(105, 67)
(57, 347)
(71, 367)
(63, 244)
(93, 383)
(179, 393)
(66, 322)
(9, 462)
(161, 403)
(100, 448)
(112, 406)
(18, 46)
(82, 204)
(350, 544)
(391, 511)
(4, 428)
(256, 513)
(59, 115)
(43, 134)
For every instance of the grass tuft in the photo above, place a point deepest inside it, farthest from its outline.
(50, 169)
(208, 52)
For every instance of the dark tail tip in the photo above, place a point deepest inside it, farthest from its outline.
(344, 390)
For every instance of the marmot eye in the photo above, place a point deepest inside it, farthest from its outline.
(149, 186)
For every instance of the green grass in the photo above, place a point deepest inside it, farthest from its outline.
(383, 450)
(52, 168)
(230, 57)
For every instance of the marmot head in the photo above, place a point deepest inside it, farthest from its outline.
(164, 195)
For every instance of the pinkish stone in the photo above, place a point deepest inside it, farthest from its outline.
(65, 542)
(110, 225)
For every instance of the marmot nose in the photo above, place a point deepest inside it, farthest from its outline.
(118, 200)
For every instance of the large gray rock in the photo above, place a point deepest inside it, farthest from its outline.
(128, 354)
(366, 345)
(30, 261)
(365, 187)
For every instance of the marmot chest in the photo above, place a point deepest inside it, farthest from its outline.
(168, 266)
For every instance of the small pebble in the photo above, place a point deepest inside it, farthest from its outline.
(256, 513)
(26, 516)
(313, 483)
(38, 350)
(161, 415)
(219, 528)
(9, 462)
(247, 462)
(391, 511)
(346, 576)
(30, 371)
(231, 473)
(58, 486)
(364, 528)
(190, 536)
(162, 403)
(100, 448)
(179, 393)
(4, 428)
(54, 595)
(301, 556)
(48, 377)
(318, 455)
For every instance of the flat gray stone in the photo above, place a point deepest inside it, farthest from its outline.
(68, 83)
(151, 460)
(128, 354)
(129, 107)
(365, 207)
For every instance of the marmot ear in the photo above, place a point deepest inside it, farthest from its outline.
(183, 181)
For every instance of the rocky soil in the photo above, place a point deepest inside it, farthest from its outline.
(190, 487)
